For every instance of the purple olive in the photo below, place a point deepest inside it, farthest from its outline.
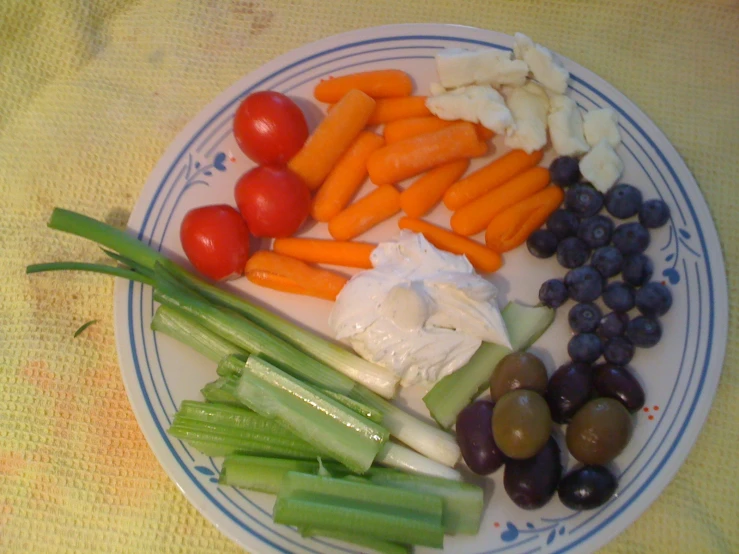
(531, 483)
(475, 438)
(617, 382)
(568, 390)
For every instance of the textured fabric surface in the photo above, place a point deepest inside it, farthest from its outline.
(92, 94)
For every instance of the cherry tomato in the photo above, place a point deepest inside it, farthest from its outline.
(274, 201)
(216, 241)
(269, 127)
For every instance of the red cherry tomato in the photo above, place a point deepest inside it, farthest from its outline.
(273, 200)
(216, 241)
(269, 127)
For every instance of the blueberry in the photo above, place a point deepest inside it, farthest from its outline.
(563, 223)
(618, 351)
(653, 214)
(585, 347)
(565, 171)
(612, 324)
(637, 269)
(583, 200)
(553, 293)
(584, 317)
(619, 296)
(572, 252)
(644, 331)
(596, 230)
(623, 201)
(608, 260)
(653, 299)
(542, 243)
(631, 238)
(584, 284)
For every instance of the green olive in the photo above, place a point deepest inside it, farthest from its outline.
(521, 424)
(599, 431)
(518, 370)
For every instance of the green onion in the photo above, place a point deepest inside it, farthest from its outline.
(455, 391)
(128, 262)
(84, 326)
(94, 268)
(384, 547)
(400, 457)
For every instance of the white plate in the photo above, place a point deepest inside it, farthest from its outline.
(679, 375)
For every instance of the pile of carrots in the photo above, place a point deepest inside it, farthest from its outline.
(508, 198)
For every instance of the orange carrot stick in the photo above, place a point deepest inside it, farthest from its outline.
(279, 272)
(345, 178)
(332, 138)
(427, 190)
(477, 215)
(402, 129)
(514, 225)
(392, 109)
(482, 258)
(483, 132)
(489, 177)
(383, 83)
(334, 252)
(379, 205)
(407, 158)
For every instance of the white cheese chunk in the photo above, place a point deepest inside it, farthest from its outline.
(529, 105)
(477, 104)
(566, 127)
(435, 89)
(544, 68)
(601, 124)
(487, 66)
(602, 166)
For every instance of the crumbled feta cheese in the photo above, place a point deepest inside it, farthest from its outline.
(544, 68)
(601, 166)
(566, 127)
(487, 66)
(601, 124)
(435, 89)
(529, 105)
(477, 104)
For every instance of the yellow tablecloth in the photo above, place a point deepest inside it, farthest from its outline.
(92, 94)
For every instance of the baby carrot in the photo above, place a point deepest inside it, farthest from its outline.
(514, 225)
(427, 190)
(345, 178)
(402, 129)
(332, 138)
(334, 252)
(410, 157)
(489, 177)
(379, 205)
(482, 258)
(477, 215)
(392, 109)
(383, 83)
(287, 274)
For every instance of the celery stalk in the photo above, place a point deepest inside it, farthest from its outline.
(266, 474)
(383, 547)
(218, 392)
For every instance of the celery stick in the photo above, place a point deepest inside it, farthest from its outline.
(463, 502)
(384, 547)
(374, 377)
(331, 427)
(390, 514)
(231, 366)
(455, 391)
(183, 328)
(219, 393)
(266, 474)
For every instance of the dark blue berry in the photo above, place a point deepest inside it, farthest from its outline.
(584, 317)
(565, 171)
(612, 325)
(653, 214)
(596, 230)
(553, 293)
(618, 351)
(585, 347)
(644, 331)
(637, 269)
(572, 252)
(584, 284)
(653, 299)
(619, 296)
(583, 200)
(631, 238)
(563, 223)
(608, 260)
(623, 201)
(542, 243)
